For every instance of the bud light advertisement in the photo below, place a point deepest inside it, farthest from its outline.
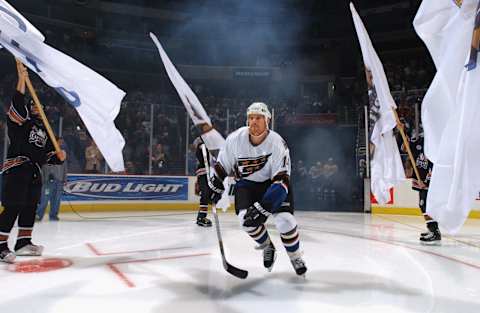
(121, 188)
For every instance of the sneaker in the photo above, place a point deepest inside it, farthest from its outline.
(299, 265)
(54, 219)
(269, 256)
(7, 256)
(204, 222)
(29, 250)
(434, 237)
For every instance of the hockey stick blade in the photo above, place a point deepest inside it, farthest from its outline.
(235, 271)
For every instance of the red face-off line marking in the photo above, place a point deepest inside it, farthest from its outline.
(112, 265)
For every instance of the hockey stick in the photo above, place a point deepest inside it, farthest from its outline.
(235, 271)
(407, 148)
(39, 107)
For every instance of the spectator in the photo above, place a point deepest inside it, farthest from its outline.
(330, 172)
(130, 168)
(54, 178)
(158, 159)
(93, 159)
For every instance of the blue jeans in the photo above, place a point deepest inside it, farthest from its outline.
(51, 191)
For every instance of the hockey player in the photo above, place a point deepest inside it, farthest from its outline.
(29, 149)
(202, 183)
(425, 167)
(259, 158)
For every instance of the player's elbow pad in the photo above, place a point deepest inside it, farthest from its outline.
(274, 197)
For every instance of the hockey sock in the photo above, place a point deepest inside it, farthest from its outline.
(291, 241)
(24, 237)
(260, 235)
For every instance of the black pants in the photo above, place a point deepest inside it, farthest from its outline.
(248, 192)
(422, 199)
(21, 190)
(204, 189)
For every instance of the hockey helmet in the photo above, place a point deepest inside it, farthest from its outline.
(259, 108)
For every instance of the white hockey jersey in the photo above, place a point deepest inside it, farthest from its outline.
(255, 163)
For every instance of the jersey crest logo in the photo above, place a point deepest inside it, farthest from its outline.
(38, 137)
(422, 161)
(248, 166)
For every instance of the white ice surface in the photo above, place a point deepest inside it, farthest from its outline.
(165, 263)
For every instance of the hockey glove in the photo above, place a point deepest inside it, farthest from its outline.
(256, 215)
(216, 187)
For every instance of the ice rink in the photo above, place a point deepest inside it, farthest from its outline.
(165, 263)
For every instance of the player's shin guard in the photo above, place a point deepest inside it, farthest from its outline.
(287, 226)
(291, 241)
(260, 235)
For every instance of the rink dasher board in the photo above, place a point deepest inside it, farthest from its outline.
(404, 201)
(100, 193)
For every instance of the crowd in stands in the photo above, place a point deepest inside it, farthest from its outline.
(318, 182)
(409, 77)
(168, 130)
(167, 135)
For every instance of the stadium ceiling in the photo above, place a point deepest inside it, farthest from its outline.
(274, 7)
(317, 19)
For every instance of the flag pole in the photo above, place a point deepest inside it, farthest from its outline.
(407, 147)
(41, 112)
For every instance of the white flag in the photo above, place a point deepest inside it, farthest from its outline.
(386, 164)
(95, 98)
(8, 13)
(212, 138)
(453, 100)
(443, 28)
